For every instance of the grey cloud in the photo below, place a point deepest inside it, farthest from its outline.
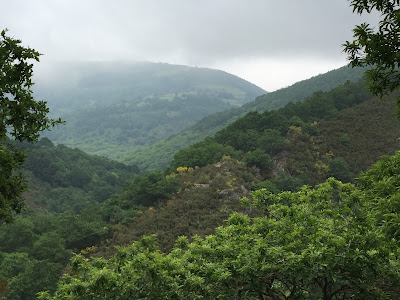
(205, 30)
(193, 32)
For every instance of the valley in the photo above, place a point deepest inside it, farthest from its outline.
(87, 204)
(111, 109)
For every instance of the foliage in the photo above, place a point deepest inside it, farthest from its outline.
(287, 183)
(267, 185)
(21, 118)
(193, 201)
(143, 190)
(362, 134)
(258, 158)
(35, 249)
(160, 154)
(207, 198)
(340, 169)
(317, 243)
(148, 189)
(382, 184)
(112, 108)
(201, 154)
(378, 49)
(298, 140)
(62, 179)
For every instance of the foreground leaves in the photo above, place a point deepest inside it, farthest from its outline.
(318, 243)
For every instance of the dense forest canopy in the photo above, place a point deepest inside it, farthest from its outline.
(160, 154)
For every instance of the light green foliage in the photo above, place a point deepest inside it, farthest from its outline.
(382, 184)
(377, 47)
(317, 243)
(21, 118)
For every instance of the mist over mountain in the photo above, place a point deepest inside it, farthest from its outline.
(111, 108)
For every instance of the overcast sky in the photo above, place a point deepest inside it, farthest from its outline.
(272, 43)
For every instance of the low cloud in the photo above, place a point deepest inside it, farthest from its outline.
(203, 33)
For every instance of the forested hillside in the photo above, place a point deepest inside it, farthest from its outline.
(199, 185)
(160, 154)
(81, 203)
(331, 240)
(63, 179)
(305, 139)
(334, 241)
(331, 134)
(66, 189)
(112, 108)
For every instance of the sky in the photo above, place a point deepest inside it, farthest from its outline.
(271, 43)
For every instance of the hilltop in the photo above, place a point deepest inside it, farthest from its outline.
(160, 153)
(113, 108)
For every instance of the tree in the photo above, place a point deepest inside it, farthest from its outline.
(378, 49)
(21, 118)
(258, 158)
(340, 169)
(318, 243)
(147, 189)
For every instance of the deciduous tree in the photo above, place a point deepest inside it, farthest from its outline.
(21, 118)
(378, 47)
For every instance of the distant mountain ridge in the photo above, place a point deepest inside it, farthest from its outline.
(160, 154)
(111, 108)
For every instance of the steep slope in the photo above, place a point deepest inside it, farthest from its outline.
(63, 179)
(66, 189)
(328, 134)
(363, 133)
(341, 143)
(111, 108)
(338, 133)
(159, 154)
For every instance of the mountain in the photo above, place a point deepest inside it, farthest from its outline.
(63, 179)
(338, 134)
(160, 154)
(66, 188)
(80, 203)
(111, 108)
